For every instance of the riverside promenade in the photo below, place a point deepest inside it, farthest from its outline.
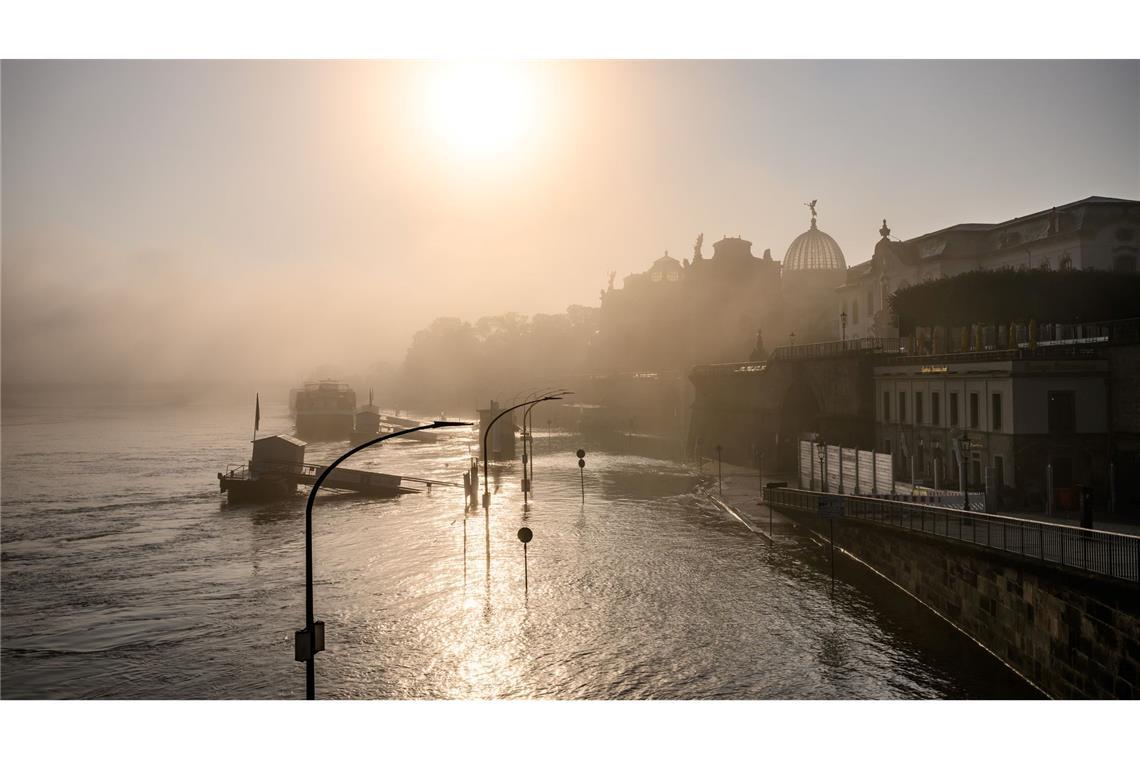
(1055, 603)
(743, 498)
(738, 492)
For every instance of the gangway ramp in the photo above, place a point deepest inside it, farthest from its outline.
(358, 481)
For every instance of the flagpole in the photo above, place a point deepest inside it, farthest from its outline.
(256, 414)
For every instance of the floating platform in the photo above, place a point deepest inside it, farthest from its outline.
(272, 481)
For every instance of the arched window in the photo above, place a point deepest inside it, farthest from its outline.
(855, 311)
(1124, 263)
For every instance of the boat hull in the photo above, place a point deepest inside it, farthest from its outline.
(256, 490)
(324, 426)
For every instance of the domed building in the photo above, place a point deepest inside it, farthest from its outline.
(814, 259)
(813, 268)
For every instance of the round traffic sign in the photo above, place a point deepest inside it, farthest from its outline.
(525, 535)
(581, 453)
(581, 463)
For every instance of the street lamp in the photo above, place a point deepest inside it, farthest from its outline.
(306, 643)
(486, 489)
(530, 457)
(843, 322)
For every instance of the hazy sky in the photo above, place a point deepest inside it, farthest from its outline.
(240, 221)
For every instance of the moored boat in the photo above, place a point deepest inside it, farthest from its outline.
(325, 411)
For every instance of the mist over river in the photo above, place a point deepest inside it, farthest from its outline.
(126, 575)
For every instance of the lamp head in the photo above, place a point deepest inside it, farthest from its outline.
(449, 423)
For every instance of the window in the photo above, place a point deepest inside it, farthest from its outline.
(870, 302)
(935, 408)
(918, 410)
(953, 410)
(886, 406)
(902, 406)
(1124, 264)
(973, 410)
(855, 311)
(887, 445)
(999, 472)
(995, 411)
(1062, 412)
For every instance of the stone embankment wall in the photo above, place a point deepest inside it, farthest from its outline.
(1074, 635)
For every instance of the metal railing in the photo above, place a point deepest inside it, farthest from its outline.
(728, 368)
(311, 470)
(834, 348)
(1116, 555)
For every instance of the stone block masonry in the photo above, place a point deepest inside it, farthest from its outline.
(1074, 635)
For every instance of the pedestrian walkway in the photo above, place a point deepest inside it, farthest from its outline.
(1106, 522)
(738, 492)
(1059, 541)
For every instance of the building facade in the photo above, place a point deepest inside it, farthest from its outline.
(1094, 233)
(708, 310)
(1032, 426)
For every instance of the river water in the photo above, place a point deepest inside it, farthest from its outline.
(126, 575)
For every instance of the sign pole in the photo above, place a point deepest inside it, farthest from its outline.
(525, 535)
(832, 521)
(582, 472)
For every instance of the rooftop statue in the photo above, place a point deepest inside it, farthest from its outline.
(697, 247)
(759, 353)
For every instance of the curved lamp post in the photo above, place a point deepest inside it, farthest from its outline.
(530, 456)
(486, 484)
(528, 453)
(311, 640)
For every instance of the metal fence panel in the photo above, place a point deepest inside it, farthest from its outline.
(832, 458)
(1114, 555)
(848, 466)
(805, 464)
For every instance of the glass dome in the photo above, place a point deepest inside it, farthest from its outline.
(814, 250)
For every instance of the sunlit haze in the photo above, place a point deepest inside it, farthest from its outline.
(483, 109)
(239, 223)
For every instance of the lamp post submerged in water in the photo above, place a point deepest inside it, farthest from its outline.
(486, 484)
(528, 439)
(312, 639)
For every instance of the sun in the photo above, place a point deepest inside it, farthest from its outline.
(483, 108)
